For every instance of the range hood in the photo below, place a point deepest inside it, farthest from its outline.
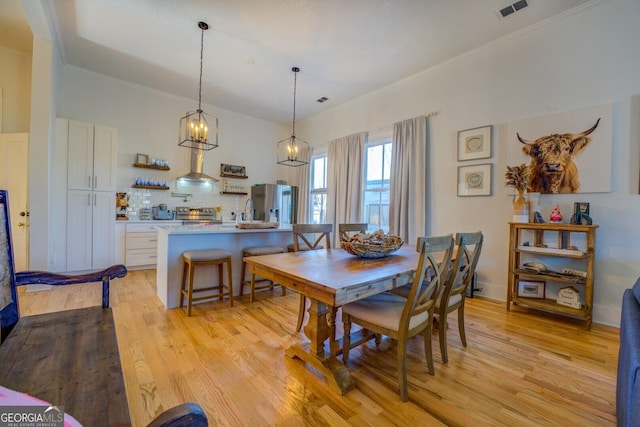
(195, 173)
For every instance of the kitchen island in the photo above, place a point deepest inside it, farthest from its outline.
(174, 240)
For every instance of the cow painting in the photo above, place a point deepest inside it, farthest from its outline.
(552, 169)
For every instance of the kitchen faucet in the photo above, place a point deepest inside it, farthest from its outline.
(248, 215)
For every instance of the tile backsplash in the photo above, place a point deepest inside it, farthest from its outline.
(198, 195)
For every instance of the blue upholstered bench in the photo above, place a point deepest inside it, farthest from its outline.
(628, 385)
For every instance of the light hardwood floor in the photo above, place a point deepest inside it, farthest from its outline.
(518, 369)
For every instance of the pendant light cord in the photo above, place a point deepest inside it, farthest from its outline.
(201, 56)
(295, 85)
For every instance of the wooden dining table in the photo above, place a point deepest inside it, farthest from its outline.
(330, 278)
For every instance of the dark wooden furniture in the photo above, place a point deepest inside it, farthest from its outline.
(312, 236)
(68, 358)
(330, 278)
(558, 247)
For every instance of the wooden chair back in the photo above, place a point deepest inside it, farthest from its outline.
(311, 235)
(464, 265)
(347, 230)
(434, 261)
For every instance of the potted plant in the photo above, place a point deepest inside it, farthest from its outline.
(517, 177)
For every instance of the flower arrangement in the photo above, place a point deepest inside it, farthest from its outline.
(517, 177)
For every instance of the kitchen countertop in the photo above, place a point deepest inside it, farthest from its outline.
(216, 229)
(150, 221)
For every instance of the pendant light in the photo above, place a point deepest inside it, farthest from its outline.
(292, 150)
(198, 129)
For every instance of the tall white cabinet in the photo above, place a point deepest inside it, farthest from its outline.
(91, 185)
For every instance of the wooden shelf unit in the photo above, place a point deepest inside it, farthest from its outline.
(150, 187)
(146, 166)
(558, 251)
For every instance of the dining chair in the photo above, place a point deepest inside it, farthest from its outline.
(347, 230)
(453, 293)
(307, 237)
(403, 318)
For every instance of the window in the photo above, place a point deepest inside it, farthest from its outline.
(318, 208)
(377, 172)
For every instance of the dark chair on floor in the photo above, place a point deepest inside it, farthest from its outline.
(202, 258)
(452, 295)
(402, 318)
(253, 282)
(308, 237)
(347, 230)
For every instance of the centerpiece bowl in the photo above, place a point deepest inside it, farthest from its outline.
(375, 245)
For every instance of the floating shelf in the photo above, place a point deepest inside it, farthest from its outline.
(146, 166)
(150, 187)
(226, 175)
(233, 192)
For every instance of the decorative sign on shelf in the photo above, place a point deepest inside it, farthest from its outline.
(233, 171)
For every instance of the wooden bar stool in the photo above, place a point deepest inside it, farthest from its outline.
(255, 251)
(195, 258)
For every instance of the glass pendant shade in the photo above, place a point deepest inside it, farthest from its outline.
(292, 151)
(199, 130)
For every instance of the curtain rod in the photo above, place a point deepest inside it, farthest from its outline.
(430, 114)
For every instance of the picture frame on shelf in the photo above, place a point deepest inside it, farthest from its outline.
(233, 171)
(532, 289)
(142, 159)
(474, 143)
(474, 180)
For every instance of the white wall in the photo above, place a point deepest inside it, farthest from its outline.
(147, 122)
(586, 58)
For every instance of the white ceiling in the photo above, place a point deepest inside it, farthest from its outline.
(344, 48)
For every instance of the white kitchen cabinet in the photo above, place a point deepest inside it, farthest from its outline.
(92, 158)
(90, 229)
(140, 243)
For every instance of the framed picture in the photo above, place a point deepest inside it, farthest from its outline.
(474, 180)
(233, 171)
(142, 158)
(532, 288)
(474, 143)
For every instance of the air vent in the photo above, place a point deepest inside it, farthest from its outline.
(512, 8)
(323, 99)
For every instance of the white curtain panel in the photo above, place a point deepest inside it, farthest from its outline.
(302, 181)
(345, 157)
(408, 198)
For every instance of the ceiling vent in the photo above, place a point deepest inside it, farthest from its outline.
(512, 8)
(323, 99)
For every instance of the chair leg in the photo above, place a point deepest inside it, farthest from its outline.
(229, 282)
(220, 283)
(428, 352)
(190, 289)
(402, 369)
(242, 276)
(183, 288)
(442, 334)
(252, 287)
(301, 309)
(346, 339)
(463, 337)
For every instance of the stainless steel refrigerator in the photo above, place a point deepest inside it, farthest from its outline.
(275, 201)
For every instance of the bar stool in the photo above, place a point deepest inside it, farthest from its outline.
(255, 251)
(202, 257)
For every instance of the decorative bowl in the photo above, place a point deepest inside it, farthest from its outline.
(377, 245)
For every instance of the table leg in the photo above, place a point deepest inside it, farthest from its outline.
(318, 330)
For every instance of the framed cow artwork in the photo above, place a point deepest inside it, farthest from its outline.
(568, 152)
